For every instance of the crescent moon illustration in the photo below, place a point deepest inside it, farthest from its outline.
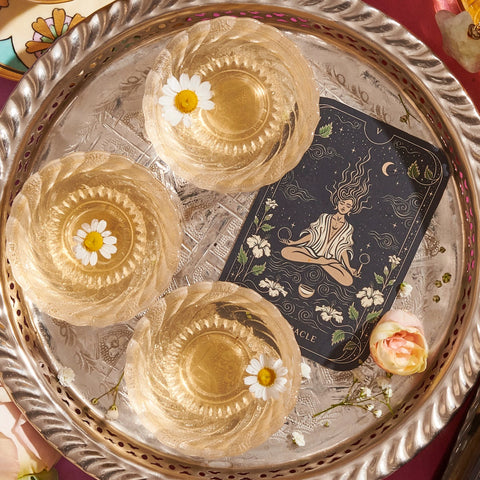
(385, 166)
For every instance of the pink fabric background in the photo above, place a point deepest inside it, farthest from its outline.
(418, 17)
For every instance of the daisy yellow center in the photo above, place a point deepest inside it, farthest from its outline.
(186, 101)
(266, 377)
(93, 241)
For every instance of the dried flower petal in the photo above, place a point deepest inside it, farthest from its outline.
(66, 376)
(298, 439)
(405, 290)
(306, 370)
(112, 413)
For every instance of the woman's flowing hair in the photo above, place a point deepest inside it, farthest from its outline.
(354, 185)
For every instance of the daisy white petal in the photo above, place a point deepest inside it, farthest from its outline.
(266, 395)
(280, 384)
(185, 82)
(86, 258)
(108, 249)
(254, 366)
(169, 92)
(93, 258)
(206, 104)
(110, 240)
(102, 225)
(257, 390)
(106, 233)
(204, 90)
(174, 84)
(173, 116)
(187, 121)
(81, 233)
(86, 227)
(195, 82)
(94, 225)
(105, 253)
(277, 364)
(167, 100)
(79, 251)
(78, 239)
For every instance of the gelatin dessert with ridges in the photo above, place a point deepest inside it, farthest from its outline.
(213, 369)
(93, 238)
(231, 104)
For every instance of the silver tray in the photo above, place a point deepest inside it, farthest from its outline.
(85, 93)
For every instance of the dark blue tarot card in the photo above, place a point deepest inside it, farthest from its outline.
(330, 243)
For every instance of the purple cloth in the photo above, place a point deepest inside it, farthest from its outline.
(68, 471)
(6, 88)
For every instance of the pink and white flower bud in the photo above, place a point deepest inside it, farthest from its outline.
(398, 345)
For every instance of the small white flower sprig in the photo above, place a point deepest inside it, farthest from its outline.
(112, 412)
(306, 370)
(66, 376)
(298, 439)
(365, 398)
(183, 96)
(405, 290)
(92, 239)
(267, 377)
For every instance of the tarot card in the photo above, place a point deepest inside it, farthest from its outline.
(330, 243)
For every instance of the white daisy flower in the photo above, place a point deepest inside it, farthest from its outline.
(370, 297)
(259, 246)
(66, 376)
(91, 239)
(267, 377)
(274, 288)
(182, 97)
(405, 290)
(298, 439)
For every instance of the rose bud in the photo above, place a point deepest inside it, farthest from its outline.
(398, 345)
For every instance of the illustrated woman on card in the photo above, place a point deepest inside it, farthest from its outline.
(328, 241)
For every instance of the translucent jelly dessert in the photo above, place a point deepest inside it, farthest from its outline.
(231, 104)
(93, 238)
(213, 369)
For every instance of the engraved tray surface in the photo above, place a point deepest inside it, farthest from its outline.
(86, 93)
